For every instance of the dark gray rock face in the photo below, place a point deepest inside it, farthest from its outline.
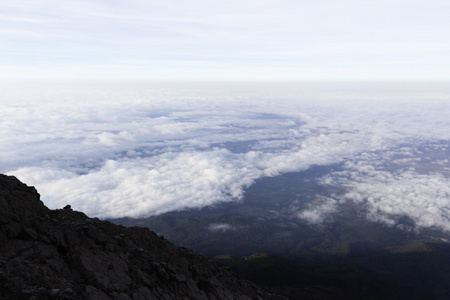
(63, 254)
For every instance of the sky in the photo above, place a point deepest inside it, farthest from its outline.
(137, 149)
(239, 40)
(136, 108)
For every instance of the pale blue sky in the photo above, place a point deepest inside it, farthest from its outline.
(225, 40)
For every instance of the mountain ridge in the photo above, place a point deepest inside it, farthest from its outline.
(64, 254)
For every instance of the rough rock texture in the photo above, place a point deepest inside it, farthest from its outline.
(63, 254)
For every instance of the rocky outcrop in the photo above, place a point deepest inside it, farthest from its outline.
(64, 254)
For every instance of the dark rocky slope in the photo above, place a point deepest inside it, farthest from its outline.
(63, 254)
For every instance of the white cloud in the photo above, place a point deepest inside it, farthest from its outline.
(139, 149)
(144, 186)
(389, 195)
(320, 209)
(219, 227)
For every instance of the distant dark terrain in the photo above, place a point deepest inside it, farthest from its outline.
(344, 257)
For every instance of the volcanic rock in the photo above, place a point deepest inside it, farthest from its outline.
(64, 254)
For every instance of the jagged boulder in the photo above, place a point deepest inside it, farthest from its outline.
(64, 254)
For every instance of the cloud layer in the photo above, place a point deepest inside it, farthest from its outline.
(140, 149)
(411, 185)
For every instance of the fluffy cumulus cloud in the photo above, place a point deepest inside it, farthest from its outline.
(140, 149)
(320, 209)
(389, 193)
(153, 185)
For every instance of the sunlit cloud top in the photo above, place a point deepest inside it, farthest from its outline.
(225, 40)
(141, 149)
